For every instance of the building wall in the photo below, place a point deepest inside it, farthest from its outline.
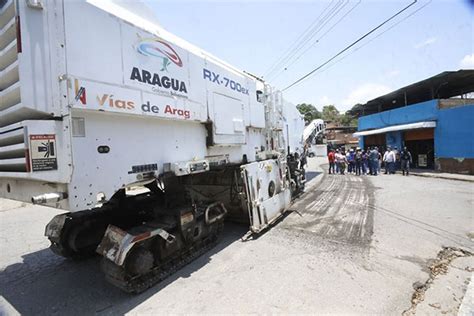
(453, 135)
(424, 111)
(454, 132)
(394, 139)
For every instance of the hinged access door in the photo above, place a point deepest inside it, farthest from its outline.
(268, 192)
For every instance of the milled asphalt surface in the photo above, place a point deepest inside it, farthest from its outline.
(352, 245)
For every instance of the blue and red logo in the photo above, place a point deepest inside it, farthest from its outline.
(160, 49)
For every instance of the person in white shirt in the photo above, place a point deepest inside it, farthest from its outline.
(391, 157)
(384, 159)
(341, 162)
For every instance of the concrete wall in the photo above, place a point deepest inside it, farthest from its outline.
(453, 135)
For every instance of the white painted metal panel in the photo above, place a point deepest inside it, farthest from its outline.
(133, 141)
(154, 64)
(20, 134)
(42, 58)
(227, 82)
(294, 125)
(109, 98)
(264, 206)
(228, 113)
(93, 43)
(120, 105)
(257, 113)
(319, 150)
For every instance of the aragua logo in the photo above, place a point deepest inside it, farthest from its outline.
(155, 47)
(144, 76)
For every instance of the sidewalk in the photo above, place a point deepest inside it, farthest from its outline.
(314, 171)
(441, 175)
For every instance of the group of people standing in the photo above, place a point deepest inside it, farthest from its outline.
(370, 161)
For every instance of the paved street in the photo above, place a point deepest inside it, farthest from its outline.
(358, 245)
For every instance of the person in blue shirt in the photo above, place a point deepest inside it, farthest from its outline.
(374, 161)
(365, 162)
(351, 161)
(358, 161)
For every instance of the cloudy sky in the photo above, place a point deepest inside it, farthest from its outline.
(429, 38)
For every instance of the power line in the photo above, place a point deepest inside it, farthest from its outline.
(391, 27)
(378, 35)
(321, 25)
(351, 45)
(288, 61)
(301, 38)
(321, 37)
(288, 50)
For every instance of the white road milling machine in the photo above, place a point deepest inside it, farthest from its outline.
(146, 140)
(314, 133)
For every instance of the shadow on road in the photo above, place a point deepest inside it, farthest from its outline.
(310, 175)
(47, 284)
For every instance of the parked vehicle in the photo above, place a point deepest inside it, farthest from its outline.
(146, 140)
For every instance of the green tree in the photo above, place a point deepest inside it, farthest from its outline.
(309, 112)
(346, 120)
(330, 113)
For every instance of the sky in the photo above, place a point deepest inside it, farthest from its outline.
(254, 35)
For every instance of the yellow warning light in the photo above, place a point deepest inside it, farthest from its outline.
(269, 167)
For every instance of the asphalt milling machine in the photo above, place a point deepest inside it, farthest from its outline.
(147, 141)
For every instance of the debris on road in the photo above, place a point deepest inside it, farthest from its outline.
(438, 266)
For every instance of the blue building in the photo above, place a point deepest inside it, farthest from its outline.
(434, 118)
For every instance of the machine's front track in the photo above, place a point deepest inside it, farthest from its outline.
(118, 275)
(142, 238)
(76, 235)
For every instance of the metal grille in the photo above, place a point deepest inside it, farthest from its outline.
(12, 145)
(9, 77)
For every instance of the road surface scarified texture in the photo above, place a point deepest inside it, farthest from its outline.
(353, 245)
(337, 210)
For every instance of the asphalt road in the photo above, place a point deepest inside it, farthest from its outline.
(354, 245)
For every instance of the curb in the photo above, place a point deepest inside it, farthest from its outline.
(316, 180)
(441, 177)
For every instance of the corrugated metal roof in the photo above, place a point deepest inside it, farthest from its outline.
(442, 86)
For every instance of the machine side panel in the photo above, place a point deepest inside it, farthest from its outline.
(133, 144)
